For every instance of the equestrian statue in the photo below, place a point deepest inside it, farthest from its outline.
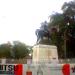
(42, 33)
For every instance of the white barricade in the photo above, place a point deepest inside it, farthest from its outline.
(47, 69)
(38, 69)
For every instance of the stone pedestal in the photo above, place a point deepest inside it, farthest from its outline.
(45, 53)
(3, 61)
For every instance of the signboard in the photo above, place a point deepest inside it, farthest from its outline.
(10, 69)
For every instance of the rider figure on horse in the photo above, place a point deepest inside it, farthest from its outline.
(42, 32)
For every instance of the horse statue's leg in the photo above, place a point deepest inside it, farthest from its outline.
(38, 39)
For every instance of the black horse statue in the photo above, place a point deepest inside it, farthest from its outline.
(42, 32)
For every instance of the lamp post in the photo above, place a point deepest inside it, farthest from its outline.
(65, 44)
(65, 41)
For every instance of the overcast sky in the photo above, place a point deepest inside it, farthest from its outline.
(20, 18)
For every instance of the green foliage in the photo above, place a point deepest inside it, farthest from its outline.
(16, 50)
(5, 50)
(65, 25)
(20, 50)
(56, 18)
(69, 8)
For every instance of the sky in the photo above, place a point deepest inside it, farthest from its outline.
(20, 18)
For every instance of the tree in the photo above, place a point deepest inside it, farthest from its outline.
(69, 8)
(20, 50)
(57, 19)
(57, 29)
(65, 24)
(5, 50)
(16, 50)
(69, 13)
